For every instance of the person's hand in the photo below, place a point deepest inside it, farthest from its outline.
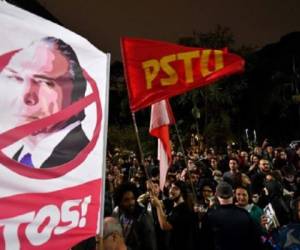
(264, 221)
(149, 185)
(155, 201)
(265, 143)
(183, 174)
(252, 167)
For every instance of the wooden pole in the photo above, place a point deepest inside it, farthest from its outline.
(139, 144)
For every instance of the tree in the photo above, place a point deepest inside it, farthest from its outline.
(216, 103)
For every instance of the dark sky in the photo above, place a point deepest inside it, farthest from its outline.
(253, 22)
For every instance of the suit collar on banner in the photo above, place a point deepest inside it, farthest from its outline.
(41, 151)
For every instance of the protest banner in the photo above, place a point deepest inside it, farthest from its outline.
(53, 127)
(157, 70)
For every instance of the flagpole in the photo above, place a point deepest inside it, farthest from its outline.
(186, 162)
(139, 144)
(100, 223)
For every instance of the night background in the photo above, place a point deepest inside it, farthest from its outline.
(265, 98)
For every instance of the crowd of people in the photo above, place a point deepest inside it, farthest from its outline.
(241, 199)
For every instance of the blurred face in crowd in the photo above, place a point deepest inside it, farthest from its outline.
(191, 165)
(207, 192)
(283, 155)
(214, 164)
(257, 151)
(116, 171)
(264, 166)
(212, 151)
(135, 162)
(194, 177)
(110, 177)
(242, 197)
(255, 160)
(174, 193)
(255, 198)
(269, 149)
(244, 155)
(128, 202)
(233, 165)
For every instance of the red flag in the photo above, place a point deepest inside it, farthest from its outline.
(161, 118)
(158, 70)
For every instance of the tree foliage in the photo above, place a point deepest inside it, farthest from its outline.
(217, 103)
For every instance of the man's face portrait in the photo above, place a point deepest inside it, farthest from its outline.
(41, 83)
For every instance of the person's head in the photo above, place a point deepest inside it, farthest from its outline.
(113, 235)
(209, 153)
(207, 191)
(244, 155)
(289, 173)
(241, 196)
(254, 159)
(255, 198)
(179, 156)
(214, 163)
(116, 170)
(233, 164)
(178, 191)
(264, 166)
(224, 193)
(44, 79)
(217, 174)
(125, 198)
(257, 151)
(269, 149)
(195, 176)
(110, 177)
(191, 165)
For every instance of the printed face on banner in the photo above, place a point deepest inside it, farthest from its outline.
(42, 80)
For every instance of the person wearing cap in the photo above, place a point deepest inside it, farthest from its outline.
(229, 227)
(181, 221)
